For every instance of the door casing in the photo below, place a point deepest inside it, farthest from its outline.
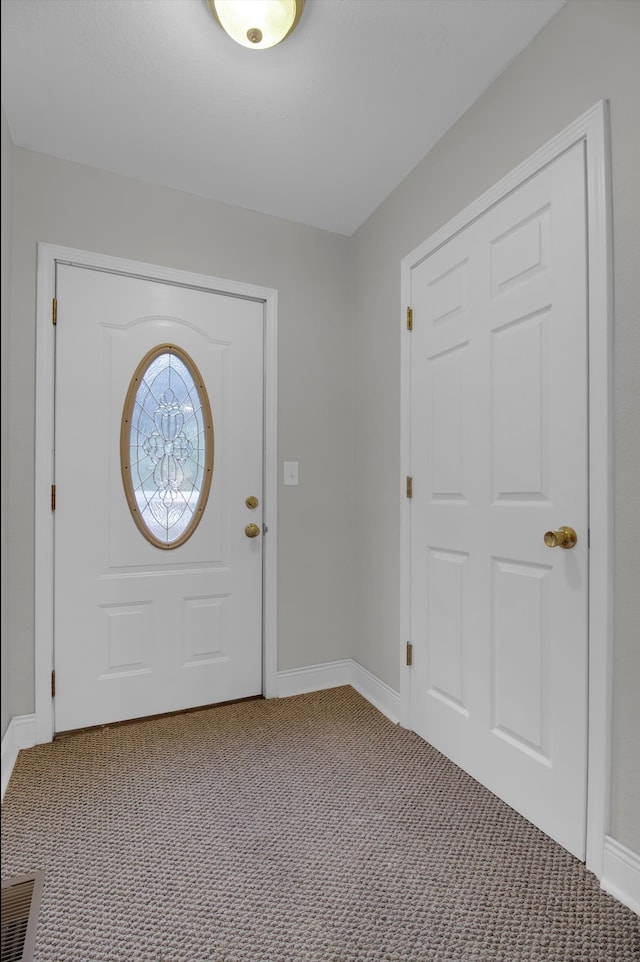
(48, 256)
(592, 128)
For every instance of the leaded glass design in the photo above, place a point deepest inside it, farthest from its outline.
(166, 446)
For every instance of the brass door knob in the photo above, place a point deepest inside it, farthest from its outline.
(252, 531)
(562, 538)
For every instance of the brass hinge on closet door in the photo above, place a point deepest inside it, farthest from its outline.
(409, 318)
(54, 311)
(409, 654)
(53, 683)
(409, 486)
(53, 497)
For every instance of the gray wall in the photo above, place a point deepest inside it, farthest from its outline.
(587, 53)
(77, 206)
(6, 218)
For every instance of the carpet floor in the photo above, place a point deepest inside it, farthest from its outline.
(306, 829)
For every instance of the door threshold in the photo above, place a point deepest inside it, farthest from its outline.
(146, 718)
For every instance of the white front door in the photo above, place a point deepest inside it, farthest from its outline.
(499, 457)
(139, 629)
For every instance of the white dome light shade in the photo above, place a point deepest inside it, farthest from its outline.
(257, 23)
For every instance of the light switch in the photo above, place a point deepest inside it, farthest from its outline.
(290, 472)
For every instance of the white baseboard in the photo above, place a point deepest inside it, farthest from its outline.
(334, 674)
(621, 874)
(382, 696)
(20, 733)
(300, 681)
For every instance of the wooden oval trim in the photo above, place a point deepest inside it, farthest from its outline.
(125, 445)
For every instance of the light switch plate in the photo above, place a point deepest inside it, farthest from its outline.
(290, 472)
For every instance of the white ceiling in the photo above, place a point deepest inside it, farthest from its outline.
(319, 129)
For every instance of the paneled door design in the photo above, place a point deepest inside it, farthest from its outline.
(142, 627)
(499, 459)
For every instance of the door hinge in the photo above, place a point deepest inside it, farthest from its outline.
(53, 683)
(409, 318)
(53, 497)
(54, 311)
(409, 654)
(409, 486)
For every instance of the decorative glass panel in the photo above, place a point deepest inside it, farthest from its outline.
(166, 446)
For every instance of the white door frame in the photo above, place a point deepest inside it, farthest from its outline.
(48, 256)
(592, 128)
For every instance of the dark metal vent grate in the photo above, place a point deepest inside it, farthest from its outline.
(20, 906)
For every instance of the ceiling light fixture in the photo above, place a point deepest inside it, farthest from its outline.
(257, 23)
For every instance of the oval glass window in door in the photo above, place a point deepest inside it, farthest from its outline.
(166, 446)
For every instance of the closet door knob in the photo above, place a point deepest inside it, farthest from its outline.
(562, 538)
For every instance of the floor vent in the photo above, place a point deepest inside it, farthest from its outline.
(20, 907)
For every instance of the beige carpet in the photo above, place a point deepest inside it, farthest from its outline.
(306, 829)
